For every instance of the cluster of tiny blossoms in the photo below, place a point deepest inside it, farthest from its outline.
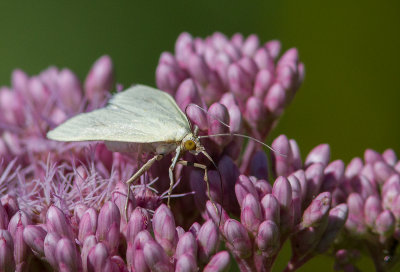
(62, 204)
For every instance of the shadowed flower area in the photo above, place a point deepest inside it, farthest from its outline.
(62, 204)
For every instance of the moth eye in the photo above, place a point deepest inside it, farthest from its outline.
(190, 145)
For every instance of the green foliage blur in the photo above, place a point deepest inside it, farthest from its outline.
(350, 49)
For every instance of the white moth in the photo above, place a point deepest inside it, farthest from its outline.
(139, 118)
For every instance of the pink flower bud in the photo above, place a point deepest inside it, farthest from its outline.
(217, 113)
(250, 45)
(317, 211)
(108, 225)
(139, 220)
(186, 263)
(240, 83)
(333, 175)
(355, 222)
(67, 256)
(320, 154)
(336, 219)
(208, 240)
(271, 208)
(88, 224)
(371, 156)
(19, 81)
(187, 93)
(70, 90)
(198, 69)
(97, 258)
(155, 257)
(282, 164)
(238, 238)
(274, 48)
(249, 66)
(390, 157)
(382, 171)
(7, 263)
(267, 239)
(275, 100)
(198, 117)
(50, 245)
(264, 60)
(372, 209)
(165, 229)
(251, 216)
(264, 80)
(314, 176)
(244, 186)
(187, 244)
(218, 263)
(57, 222)
(255, 112)
(385, 224)
(99, 80)
(34, 237)
(353, 168)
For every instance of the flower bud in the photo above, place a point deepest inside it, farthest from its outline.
(267, 239)
(238, 238)
(138, 221)
(187, 93)
(57, 222)
(99, 80)
(186, 263)
(250, 215)
(34, 237)
(187, 244)
(208, 240)
(320, 154)
(165, 229)
(218, 263)
(88, 224)
(108, 225)
(50, 245)
(67, 256)
(155, 257)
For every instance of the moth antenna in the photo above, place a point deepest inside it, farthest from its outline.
(221, 187)
(244, 136)
(207, 113)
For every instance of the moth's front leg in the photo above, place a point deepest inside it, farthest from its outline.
(137, 175)
(171, 172)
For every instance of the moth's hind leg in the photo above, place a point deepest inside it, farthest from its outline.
(204, 167)
(137, 175)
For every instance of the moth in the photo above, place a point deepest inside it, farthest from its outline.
(144, 118)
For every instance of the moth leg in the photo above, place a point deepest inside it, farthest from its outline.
(204, 167)
(171, 173)
(137, 175)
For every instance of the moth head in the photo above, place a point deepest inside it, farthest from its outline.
(192, 144)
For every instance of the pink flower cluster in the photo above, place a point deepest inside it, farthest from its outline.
(62, 204)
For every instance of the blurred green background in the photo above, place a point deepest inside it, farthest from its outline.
(350, 48)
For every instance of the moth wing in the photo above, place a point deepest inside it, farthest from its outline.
(140, 114)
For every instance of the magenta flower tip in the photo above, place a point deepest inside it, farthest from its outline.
(219, 262)
(208, 240)
(237, 236)
(165, 229)
(268, 239)
(67, 256)
(320, 154)
(7, 262)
